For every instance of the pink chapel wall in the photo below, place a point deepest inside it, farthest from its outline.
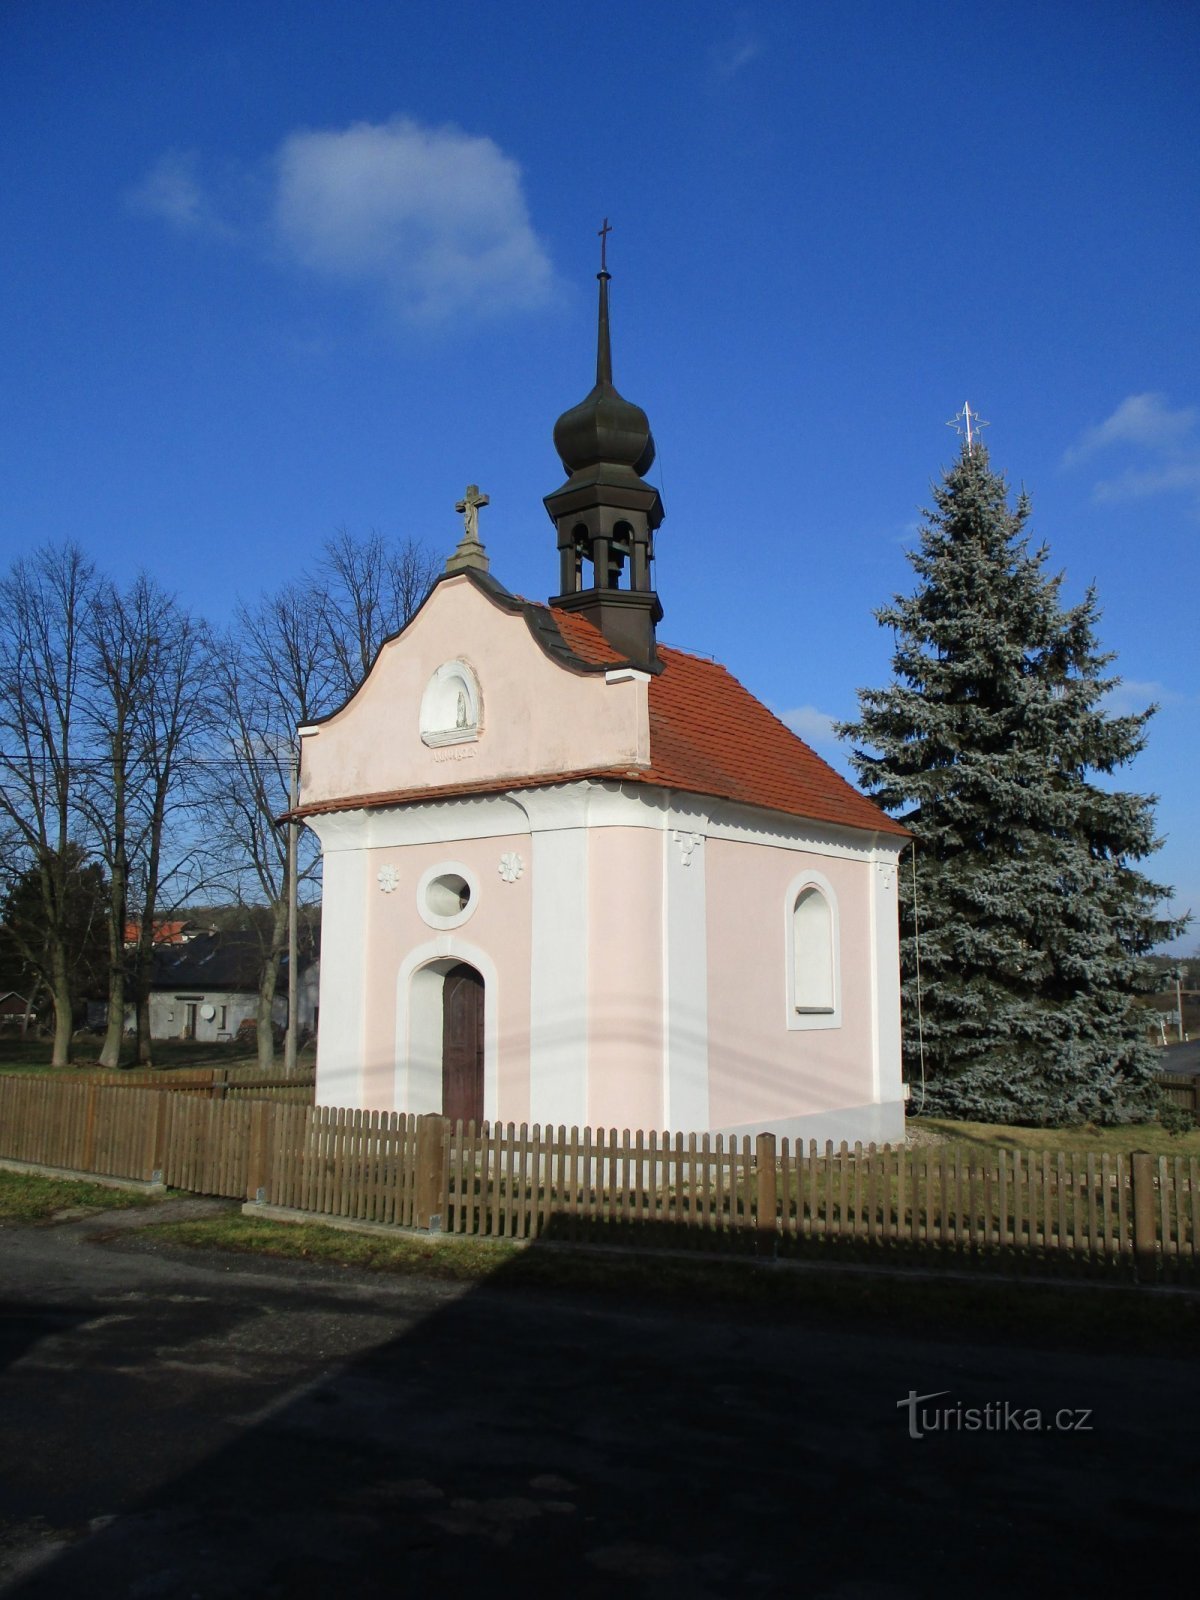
(758, 1069)
(500, 927)
(535, 717)
(625, 1002)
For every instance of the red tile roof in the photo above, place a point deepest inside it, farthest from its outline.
(708, 736)
(164, 932)
(585, 639)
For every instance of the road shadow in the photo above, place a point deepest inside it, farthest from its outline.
(514, 1438)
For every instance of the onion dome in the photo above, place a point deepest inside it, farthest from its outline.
(604, 427)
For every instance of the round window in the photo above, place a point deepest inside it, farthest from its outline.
(447, 894)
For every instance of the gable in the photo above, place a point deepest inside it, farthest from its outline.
(479, 690)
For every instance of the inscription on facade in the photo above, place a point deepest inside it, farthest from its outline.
(457, 752)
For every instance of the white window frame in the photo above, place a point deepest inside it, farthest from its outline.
(803, 1020)
(447, 869)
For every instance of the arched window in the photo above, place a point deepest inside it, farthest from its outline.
(812, 951)
(813, 977)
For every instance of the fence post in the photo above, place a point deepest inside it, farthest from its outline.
(766, 1238)
(1145, 1228)
(258, 1166)
(220, 1082)
(429, 1201)
(89, 1128)
(156, 1136)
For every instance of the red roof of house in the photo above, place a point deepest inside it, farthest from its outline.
(164, 932)
(708, 736)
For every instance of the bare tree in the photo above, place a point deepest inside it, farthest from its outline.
(147, 701)
(273, 673)
(177, 718)
(295, 656)
(44, 603)
(114, 674)
(371, 589)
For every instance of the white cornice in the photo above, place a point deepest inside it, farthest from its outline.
(595, 803)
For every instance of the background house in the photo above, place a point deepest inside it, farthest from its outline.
(12, 1008)
(206, 988)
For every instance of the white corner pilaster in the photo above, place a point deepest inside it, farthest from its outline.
(340, 1058)
(685, 973)
(558, 979)
(885, 979)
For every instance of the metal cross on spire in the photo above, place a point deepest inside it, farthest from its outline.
(603, 234)
(968, 422)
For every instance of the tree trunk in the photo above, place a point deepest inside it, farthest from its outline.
(110, 1052)
(30, 1008)
(118, 889)
(143, 969)
(64, 1020)
(267, 984)
(144, 1048)
(266, 1002)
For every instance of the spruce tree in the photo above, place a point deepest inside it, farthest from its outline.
(1026, 911)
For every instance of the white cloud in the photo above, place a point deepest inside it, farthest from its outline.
(432, 219)
(1141, 419)
(1165, 444)
(1166, 479)
(434, 216)
(171, 190)
(731, 57)
(1133, 695)
(813, 726)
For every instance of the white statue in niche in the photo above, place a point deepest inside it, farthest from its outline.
(450, 706)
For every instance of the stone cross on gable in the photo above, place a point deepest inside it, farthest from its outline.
(470, 552)
(468, 508)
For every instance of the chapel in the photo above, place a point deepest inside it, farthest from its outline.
(573, 876)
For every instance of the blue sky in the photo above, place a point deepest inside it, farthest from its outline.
(275, 269)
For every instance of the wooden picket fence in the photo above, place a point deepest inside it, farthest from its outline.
(1104, 1215)
(1182, 1089)
(217, 1083)
(1067, 1210)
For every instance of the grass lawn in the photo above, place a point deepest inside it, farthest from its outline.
(1088, 1138)
(457, 1260)
(24, 1197)
(1036, 1313)
(33, 1055)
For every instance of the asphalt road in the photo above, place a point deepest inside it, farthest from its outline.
(178, 1425)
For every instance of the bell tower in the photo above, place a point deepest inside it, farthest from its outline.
(605, 513)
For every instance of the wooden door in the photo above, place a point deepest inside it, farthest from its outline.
(462, 1045)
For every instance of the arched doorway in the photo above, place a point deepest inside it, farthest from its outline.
(462, 1044)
